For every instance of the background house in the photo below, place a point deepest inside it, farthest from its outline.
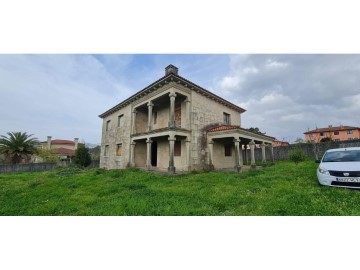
(340, 133)
(65, 149)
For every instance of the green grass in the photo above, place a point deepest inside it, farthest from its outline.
(283, 189)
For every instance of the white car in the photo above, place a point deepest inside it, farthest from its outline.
(340, 167)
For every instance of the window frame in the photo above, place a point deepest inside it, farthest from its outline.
(106, 150)
(118, 146)
(226, 118)
(121, 120)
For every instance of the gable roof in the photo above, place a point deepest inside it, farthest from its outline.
(171, 77)
(230, 127)
(331, 129)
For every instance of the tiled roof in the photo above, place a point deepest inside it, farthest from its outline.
(61, 142)
(330, 129)
(65, 151)
(229, 127)
(223, 127)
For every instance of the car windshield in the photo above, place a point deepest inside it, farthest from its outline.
(342, 156)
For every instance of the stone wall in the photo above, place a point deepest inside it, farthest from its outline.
(31, 167)
(206, 112)
(114, 136)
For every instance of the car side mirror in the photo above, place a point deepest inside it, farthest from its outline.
(317, 161)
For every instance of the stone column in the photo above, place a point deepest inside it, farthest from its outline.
(132, 154)
(187, 144)
(150, 106)
(211, 154)
(133, 124)
(252, 153)
(272, 154)
(263, 154)
(246, 154)
(172, 110)
(148, 154)
(171, 167)
(237, 158)
(241, 161)
(188, 113)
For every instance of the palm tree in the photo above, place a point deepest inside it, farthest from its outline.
(18, 145)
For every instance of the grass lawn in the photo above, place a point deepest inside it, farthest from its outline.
(283, 189)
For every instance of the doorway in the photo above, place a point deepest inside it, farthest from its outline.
(154, 147)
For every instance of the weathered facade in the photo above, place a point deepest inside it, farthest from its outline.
(176, 125)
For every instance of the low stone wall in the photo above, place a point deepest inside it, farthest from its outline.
(31, 167)
(38, 167)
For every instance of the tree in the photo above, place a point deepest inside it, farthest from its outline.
(326, 139)
(18, 145)
(297, 156)
(82, 156)
(256, 130)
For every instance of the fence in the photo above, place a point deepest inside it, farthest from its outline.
(314, 151)
(38, 167)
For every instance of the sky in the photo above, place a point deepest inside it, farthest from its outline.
(284, 95)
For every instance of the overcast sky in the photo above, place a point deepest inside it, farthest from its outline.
(284, 95)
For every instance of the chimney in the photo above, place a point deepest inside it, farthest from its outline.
(76, 141)
(49, 142)
(170, 69)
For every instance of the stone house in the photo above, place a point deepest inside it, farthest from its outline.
(65, 149)
(175, 125)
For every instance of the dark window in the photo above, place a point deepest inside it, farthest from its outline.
(227, 119)
(337, 140)
(177, 148)
(119, 149)
(228, 150)
(336, 132)
(321, 133)
(120, 120)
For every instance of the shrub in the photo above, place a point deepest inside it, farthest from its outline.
(82, 156)
(297, 155)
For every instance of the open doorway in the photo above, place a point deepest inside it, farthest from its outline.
(154, 147)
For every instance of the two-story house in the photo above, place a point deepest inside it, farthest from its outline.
(340, 133)
(174, 124)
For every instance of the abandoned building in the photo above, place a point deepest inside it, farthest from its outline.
(175, 125)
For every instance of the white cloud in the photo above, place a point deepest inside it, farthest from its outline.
(58, 95)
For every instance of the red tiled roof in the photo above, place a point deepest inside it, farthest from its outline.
(229, 127)
(330, 129)
(222, 127)
(65, 151)
(61, 142)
